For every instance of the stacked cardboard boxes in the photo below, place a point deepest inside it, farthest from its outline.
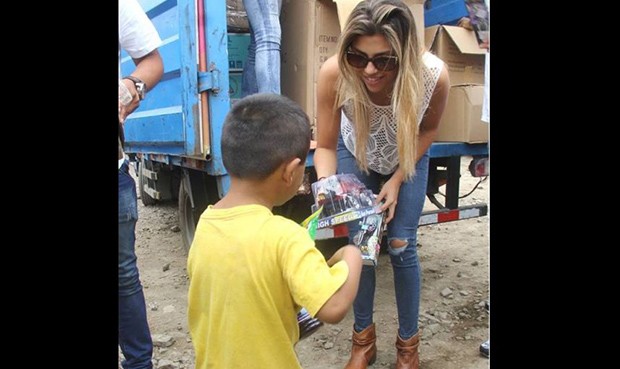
(461, 119)
(459, 49)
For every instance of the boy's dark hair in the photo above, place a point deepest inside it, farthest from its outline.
(261, 132)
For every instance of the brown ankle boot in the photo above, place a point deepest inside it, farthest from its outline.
(407, 352)
(363, 348)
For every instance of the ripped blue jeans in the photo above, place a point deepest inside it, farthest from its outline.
(403, 226)
(134, 336)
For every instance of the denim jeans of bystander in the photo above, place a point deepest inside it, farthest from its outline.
(134, 336)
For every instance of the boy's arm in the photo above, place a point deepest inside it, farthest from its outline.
(337, 306)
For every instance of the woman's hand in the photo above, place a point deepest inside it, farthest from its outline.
(389, 194)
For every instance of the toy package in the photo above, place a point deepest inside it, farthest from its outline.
(311, 222)
(344, 198)
(369, 236)
(479, 17)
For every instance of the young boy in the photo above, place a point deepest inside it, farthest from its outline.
(251, 271)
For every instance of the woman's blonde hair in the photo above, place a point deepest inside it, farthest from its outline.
(393, 20)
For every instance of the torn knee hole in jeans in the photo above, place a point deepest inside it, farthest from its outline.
(397, 246)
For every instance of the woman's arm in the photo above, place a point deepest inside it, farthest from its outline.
(327, 120)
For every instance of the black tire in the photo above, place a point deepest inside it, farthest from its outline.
(188, 217)
(204, 191)
(147, 200)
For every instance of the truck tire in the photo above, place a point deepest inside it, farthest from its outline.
(147, 200)
(204, 192)
(186, 217)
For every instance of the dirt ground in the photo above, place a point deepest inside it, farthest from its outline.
(454, 258)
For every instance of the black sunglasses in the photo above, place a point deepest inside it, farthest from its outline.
(384, 62)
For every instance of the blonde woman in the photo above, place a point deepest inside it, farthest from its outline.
(380, 99)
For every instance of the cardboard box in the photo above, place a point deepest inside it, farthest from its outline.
(345, 7)
(310, 31)
(459, 49)
(461, 119)
(343, 198)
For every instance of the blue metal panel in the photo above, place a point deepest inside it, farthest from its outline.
(165, 19)
(165, 121)
(444, 12)
(217, 62)
(150, 5)
(168, 121)
(187, 38)
(156, 126)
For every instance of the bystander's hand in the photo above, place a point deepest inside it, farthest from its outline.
(125, 110)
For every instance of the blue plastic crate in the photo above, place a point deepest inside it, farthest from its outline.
(444, 12)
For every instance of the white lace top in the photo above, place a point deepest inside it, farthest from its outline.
(382, 149)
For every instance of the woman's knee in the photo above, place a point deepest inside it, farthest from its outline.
(397, 246)
(403, 251)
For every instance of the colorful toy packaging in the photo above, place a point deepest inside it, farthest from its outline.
(369, 236)
(311, 223)
(344, 198)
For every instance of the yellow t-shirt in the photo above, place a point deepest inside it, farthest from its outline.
(250, 272)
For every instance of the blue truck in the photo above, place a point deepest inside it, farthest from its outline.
(174, 136)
